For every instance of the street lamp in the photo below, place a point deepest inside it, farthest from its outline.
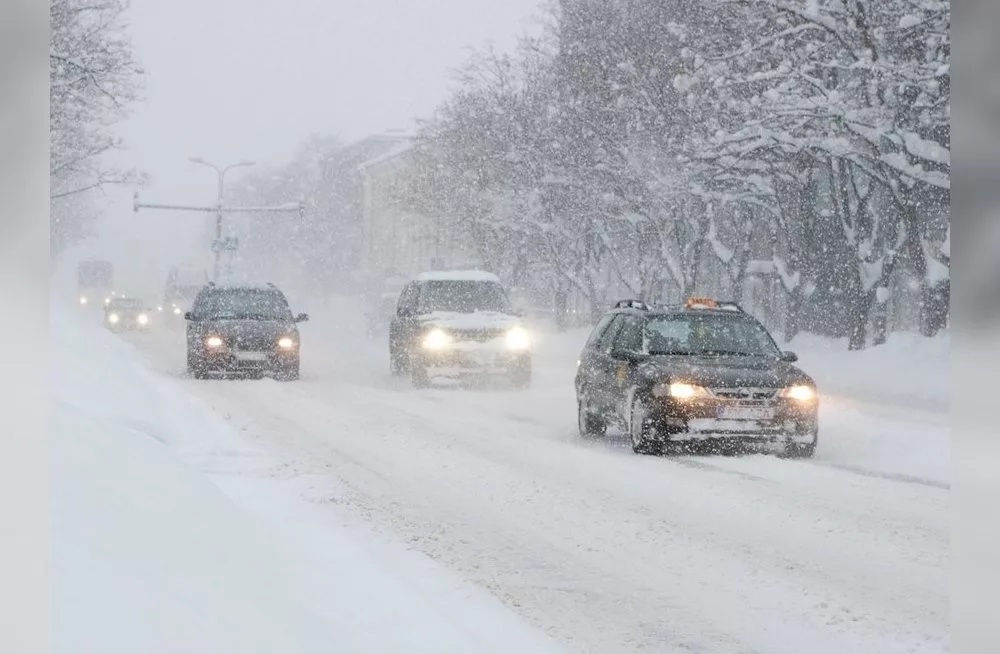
(221, 172)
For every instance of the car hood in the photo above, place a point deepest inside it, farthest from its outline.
(470, 321)
(726, 372)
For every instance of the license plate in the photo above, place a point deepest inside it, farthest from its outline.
(251, 356)
(746, 413)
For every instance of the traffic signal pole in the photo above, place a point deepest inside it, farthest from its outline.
(220, 245)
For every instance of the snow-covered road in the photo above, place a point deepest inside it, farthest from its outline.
(605, 550)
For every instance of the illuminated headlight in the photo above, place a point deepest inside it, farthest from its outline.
(143, 319)
(177, 311)
(213, 342)
(113, 318)
(800, 393)
(83, 299)
(107, 300)
(679, 391)
(437, 339)
(286, 343)
(518, 338)
(159, 308)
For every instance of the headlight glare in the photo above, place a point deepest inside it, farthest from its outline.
(800, 393)
(213, 342)
(83, 299)
(113, 318)
(436, 339)
(177, 311)
(518, 338)
(286, 343)
(679, 391)
(143, 319)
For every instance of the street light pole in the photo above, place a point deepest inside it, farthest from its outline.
(221, 172)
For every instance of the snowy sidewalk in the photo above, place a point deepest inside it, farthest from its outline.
(154, 556)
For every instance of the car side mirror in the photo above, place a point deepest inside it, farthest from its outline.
(302, 317)
(789, 357)
(188, 315)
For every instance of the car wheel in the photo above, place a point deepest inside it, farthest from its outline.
(396, 364)
(195, 367)
(590, 424)
(639, 430)
(418, 374)
(799, 450)
(288, 372)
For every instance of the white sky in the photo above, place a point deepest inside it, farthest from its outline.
(250, 79)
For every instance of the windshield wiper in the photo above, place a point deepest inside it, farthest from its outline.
(656, 353)
(729, 353)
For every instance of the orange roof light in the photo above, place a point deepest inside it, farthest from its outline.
(700, 303)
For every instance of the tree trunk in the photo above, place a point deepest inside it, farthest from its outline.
(560, 305)
(860, 311)
(880, 322)
(794, 306)
(935, 301)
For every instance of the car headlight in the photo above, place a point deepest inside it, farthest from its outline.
(286, 343)
(800, 393)
(83, 299)
(177, 311)
(680, 391)
(113, 318)
(518, 338)
(143, 319)
(213, 342)
(159, 308)
(107, 300)
(437, 339)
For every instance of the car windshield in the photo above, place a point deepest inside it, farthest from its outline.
(462, 296)
(242, 304)
(708, 335)
(125, 303)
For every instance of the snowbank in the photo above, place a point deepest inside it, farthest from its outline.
(154, 556)
(909, 370)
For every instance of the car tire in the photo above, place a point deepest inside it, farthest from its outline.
(195, 367)
(799, 450)
(397, 366)
(589, 424)
(418, 374)
(639, 430)
(288, 372)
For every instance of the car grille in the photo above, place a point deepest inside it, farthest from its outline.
(745, 394)
(479, 335)
(252, 343)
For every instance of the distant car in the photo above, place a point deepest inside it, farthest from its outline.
(458, 324)
(704, 371)
(242, 329)
(95, 279)
(126, 314)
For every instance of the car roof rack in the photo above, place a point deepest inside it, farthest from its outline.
(632, 304)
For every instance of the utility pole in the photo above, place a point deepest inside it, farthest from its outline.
(221, 245)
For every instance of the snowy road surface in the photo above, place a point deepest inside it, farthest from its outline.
(604, 550)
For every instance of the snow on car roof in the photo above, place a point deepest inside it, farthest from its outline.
(458, 275)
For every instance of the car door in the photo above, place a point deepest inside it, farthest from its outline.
(402, 327)
(603, 367)
(627, 345)
(585, 366)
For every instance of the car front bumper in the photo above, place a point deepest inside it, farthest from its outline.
(474, 361)
(773, 421)
(233, 362)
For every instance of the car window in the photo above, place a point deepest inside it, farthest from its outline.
(708, 334)
(598, 331)
(407, 299)
(242, 304)
(461, 296)
(629, 338)
(608, 337)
